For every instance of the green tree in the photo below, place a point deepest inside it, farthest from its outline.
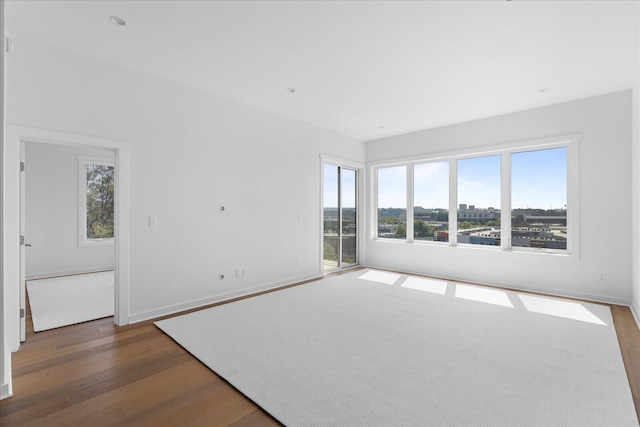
(466, 225)
(442, 216)
(100, 197)
(401, 231)
(330, 252)
(422, 229)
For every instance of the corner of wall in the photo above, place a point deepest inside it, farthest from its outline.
(635, 199)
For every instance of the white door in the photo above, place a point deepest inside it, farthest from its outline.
(23, 246)
(340, 212)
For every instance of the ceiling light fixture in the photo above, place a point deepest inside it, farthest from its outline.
(117, 20)
(380, 127)
(291, 90)
(544, 89)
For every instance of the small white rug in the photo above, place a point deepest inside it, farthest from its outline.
(62, 301)
(373, 348)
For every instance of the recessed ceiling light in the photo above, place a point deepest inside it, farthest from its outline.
(544, 89)
(117, 20)
(291, 90)
(380, 127)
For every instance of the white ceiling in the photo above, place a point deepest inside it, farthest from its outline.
(359, 65)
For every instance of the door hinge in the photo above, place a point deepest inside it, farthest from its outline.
(22, 313)
(22, 240)
(21, 166)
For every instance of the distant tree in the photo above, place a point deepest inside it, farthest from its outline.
(100, 197)
(421, 228)
(330, 252)
(401, 231)
(442, 216)
(466, 225)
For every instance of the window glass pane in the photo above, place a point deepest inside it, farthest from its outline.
(431, 201)
(330, 198)
(100, 201)
(392, 202)
(539, 199)
(479, 201)
(348, 205)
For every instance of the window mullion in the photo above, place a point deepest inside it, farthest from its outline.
(505, 200)
(453, 202)
(339, 217)
(410, 199)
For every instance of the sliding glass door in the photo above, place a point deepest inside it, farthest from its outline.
(340, 195)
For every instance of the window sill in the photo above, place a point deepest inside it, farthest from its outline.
(96, 243)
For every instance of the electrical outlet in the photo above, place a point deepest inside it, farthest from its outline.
(243, 272)
(153, 221)
(299, 262)
(238, 272)
(602, 277)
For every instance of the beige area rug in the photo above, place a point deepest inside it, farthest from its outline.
(373, 348)
(62, 301)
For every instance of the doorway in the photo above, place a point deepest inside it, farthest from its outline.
(67, 220)
(13, 246)
(339, 216)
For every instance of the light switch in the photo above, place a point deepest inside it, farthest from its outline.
(153, 221)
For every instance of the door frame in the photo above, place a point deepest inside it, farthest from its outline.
(360, 216)
(15, 136)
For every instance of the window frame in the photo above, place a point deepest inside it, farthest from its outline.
(83, 161)
(570, 142)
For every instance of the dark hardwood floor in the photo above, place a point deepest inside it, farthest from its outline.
(98, 374)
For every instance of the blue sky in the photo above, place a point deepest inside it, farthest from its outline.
(538, 181)
(331, 187)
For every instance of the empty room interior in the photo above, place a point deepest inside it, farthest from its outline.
(320, 213)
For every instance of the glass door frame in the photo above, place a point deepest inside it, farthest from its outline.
(358, 168)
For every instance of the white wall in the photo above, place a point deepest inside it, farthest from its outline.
(191, 153)
(52, 217)
(605, 202)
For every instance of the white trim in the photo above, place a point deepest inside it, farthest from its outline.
(177, 308)
(341, 162)
(361, 230)
(635, 314)
(505, 151)
(5, 391)
(453, 202)
(73, 272)
(588, 297)
(11, 226)
(505, 201)
(83, 161)
(410, 203)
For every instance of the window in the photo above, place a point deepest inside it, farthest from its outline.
(96, 196)
(479, 201)
(519, 196)
(539, 199)
(340, 214)
(392, 202)
(431, 201)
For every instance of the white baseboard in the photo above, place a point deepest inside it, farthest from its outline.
(5, 391)
(153, 314)
(550, 292)
(635, 314)
(68, 272)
